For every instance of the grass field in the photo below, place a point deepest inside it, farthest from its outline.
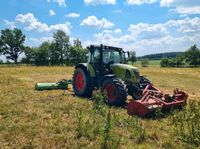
(153, 63)
(58, 119)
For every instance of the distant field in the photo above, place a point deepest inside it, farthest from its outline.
(58, 119)
(151, 63)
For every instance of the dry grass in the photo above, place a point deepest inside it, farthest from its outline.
(58, 119)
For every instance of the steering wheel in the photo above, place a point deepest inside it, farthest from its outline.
(108, 65)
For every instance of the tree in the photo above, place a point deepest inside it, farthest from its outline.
(11, 43)
(29, 55)
(77, 43)
(41, 54)
(132, 56)
(77, 54)
(164, 62)
(179, 60)
(54, 54)
(62, 43)
(192, 56)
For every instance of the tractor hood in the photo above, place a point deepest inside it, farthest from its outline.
(124, 66)
(123, 71)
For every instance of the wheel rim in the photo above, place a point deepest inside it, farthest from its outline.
(111, 92)
(79, 81)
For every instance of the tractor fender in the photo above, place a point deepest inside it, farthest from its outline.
(106, 77)
(81, 65)
(88, 67)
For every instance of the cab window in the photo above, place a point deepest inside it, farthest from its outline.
(95, 56)
(111, 55)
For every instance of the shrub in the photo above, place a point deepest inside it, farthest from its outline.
(164, 62)
(145, 63)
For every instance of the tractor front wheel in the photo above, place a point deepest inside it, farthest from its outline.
(115, 91)
(81, 83)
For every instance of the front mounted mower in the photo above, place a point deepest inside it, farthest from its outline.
(107, 70)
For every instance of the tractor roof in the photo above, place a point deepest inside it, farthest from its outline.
(104, 47)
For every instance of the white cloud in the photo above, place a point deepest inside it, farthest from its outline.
(73, 15)
(187, 10)
(107, 31)
(64, 27)
(139, 2)
(186, 3)
(108, 37)
(38, 41)
(117, 11)
(173, 35)
(59, 2)
(31, 23)
(186, 25)
(165, 44)
(171, 27)
(101, 2)
(52, 13)
(9, 24)
(94, 22)
(118, 31)
(143, 30)
(184, 7)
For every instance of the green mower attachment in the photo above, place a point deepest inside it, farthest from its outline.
(62, 85)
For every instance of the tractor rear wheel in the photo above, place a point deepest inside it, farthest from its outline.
(81, 83)
(115, 91)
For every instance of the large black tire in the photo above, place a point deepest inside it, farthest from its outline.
(115, 91)
(82, 83)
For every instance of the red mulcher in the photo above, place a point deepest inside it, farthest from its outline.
(153, 98)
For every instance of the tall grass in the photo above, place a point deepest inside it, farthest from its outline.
(51, 119)
(186, 124)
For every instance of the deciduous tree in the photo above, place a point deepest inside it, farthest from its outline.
(192, 56)
(132, 57)
(12, 43)
(62, 43)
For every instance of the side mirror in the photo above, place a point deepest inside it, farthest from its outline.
(128, 54)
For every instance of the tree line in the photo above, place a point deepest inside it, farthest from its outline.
(189, 58)
(57, 52)
(158, 56)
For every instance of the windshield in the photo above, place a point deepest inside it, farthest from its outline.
(111, 55)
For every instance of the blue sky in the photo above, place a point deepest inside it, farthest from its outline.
(146, 26)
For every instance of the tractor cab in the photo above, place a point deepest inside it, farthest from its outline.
(102, 58)
(105, 55)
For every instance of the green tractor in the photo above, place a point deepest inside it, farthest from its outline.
(107, 70)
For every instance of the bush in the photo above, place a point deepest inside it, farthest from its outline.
(174, 62)
(191, 56)
(164, 62)
(145, 63)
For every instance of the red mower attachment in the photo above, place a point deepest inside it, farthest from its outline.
(153, 98)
